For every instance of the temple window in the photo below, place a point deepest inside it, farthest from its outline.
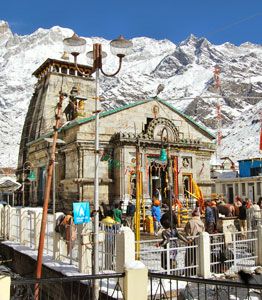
(55, 69)
(64, 70)
(72, 72)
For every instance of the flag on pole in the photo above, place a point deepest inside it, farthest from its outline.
(198, 195)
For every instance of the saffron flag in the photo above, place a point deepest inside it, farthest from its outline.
(198, 195)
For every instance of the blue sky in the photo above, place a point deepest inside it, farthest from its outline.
(235, 21)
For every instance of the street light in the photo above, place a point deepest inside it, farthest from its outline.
(165, 156)
(27, 166)
(119, 47)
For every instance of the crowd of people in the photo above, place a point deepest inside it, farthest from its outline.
(113, 217)
(241, 210)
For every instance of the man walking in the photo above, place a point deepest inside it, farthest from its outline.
(192, 229)
(130, 212)
(210, 218)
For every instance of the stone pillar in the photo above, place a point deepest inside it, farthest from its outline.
(5, 283)
(125, 248)
(84, 249)
(259, 245)
(135, 281)
(23, 225)
(204, 255)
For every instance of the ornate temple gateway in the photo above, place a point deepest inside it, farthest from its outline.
(143, 127)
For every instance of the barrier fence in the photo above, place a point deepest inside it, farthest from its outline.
(177, 258)
(166, 287)
(232, 251)
(68, 288)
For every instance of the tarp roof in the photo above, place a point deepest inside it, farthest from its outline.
(8, 184)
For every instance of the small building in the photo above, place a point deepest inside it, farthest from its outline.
(146, 126)
(247, 184)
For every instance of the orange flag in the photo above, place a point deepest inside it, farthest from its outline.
(198, 195)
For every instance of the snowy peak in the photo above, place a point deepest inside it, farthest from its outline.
(185, 69)
(5, 33)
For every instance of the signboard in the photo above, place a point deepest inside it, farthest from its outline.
(81, 212)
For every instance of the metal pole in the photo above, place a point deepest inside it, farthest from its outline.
(23, 194)
(169, 166)
(137, 215)
(54, 187)
(47, 195)
(96, 193)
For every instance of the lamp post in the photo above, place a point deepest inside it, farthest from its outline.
(119, 47)
(166, 156)
(27, 165)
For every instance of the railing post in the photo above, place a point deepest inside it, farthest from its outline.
(259, 245)
(11, 221)
(168, 258)
(5, 285)
(125, 248)
(6, 228)
(37, 226)
(22, 225)
(135, 281)
(204, 255)
(1, 220)
(84, 249)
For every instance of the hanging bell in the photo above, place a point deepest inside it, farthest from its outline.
(163, 155)
(31, 176)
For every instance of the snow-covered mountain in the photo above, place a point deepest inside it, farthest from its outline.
(185, 69)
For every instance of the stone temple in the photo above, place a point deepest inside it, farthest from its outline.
(139, 129)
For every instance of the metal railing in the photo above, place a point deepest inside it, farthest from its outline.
(233, 253)
(107, 247)
(68, 288)
(29, 229)
(48, 244)
(166, 287)
(176, 258)
(15, 225)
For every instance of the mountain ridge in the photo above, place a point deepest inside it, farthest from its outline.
(186, 70)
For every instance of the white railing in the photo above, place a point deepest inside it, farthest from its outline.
(22, 225)
(177, 258)
(233, 251)
(107, 247)
(230, 252)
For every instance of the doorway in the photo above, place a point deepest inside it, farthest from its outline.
(230, 194)
(251, 192)
(158, 181)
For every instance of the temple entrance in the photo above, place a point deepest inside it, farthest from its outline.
(158, 180)
(187, 184)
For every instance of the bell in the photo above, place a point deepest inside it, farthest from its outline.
(31, 176)
(163, 155)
